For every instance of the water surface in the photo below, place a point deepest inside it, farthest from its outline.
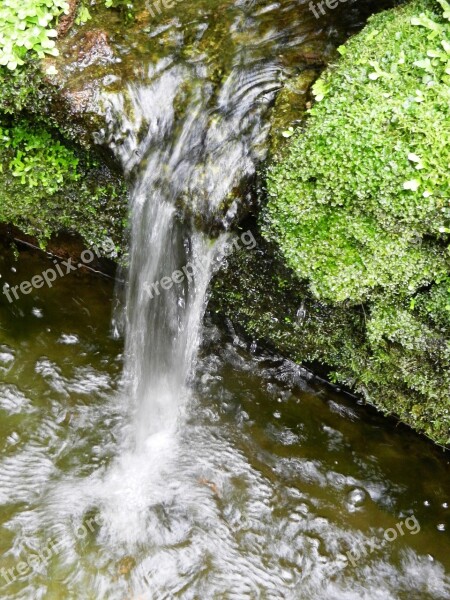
(269, 482)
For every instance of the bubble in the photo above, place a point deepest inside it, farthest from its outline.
(357, 497)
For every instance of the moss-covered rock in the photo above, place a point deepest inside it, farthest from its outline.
(48, 186)
(359, 213)
(362, 201)
(290, 107)
(395, 358)
(48, 182)
(262, 296)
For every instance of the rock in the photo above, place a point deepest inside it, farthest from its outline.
(66, 21)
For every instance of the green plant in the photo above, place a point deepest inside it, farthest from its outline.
(38, 159)
(362, 201)
(47, 185)
(25, 25)
(360, 208)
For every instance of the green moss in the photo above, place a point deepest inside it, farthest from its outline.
(48, 185)
(391, 356)
(48, 182)
(23, 89)
(341, 211)
(359, 209)
(261, 295)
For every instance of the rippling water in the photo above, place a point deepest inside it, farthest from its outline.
(272, 479)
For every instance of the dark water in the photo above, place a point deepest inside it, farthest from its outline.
(272, 480)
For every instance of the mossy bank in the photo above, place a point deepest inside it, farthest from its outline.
(358, 217)
(48, 182)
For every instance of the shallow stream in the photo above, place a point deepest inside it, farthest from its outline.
(271, 481)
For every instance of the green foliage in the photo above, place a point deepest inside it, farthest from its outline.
(65, 189)
(47, 183)
(23, 89)
(362, 201)
(25, 25)
(360, 208)
(39, 160)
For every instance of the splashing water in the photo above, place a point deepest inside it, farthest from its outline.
(198, 157)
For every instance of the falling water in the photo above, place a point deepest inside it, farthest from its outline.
(184, 167)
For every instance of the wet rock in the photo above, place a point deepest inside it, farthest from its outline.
(125, 565)
(290, 107)
(93, 47)
(67, 20)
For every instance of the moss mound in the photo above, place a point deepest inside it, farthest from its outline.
(360, 210)
(49, 183)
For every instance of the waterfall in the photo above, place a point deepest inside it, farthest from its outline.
(187, 118)
(190, 129)
(162, 325)
(181, 170)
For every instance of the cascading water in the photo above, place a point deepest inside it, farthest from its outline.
(194, 158)
(182, 163)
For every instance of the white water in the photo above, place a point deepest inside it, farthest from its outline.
(193, 162)
(197, 160)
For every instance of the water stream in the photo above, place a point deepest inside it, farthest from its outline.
(269, 482)
(139, 468)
